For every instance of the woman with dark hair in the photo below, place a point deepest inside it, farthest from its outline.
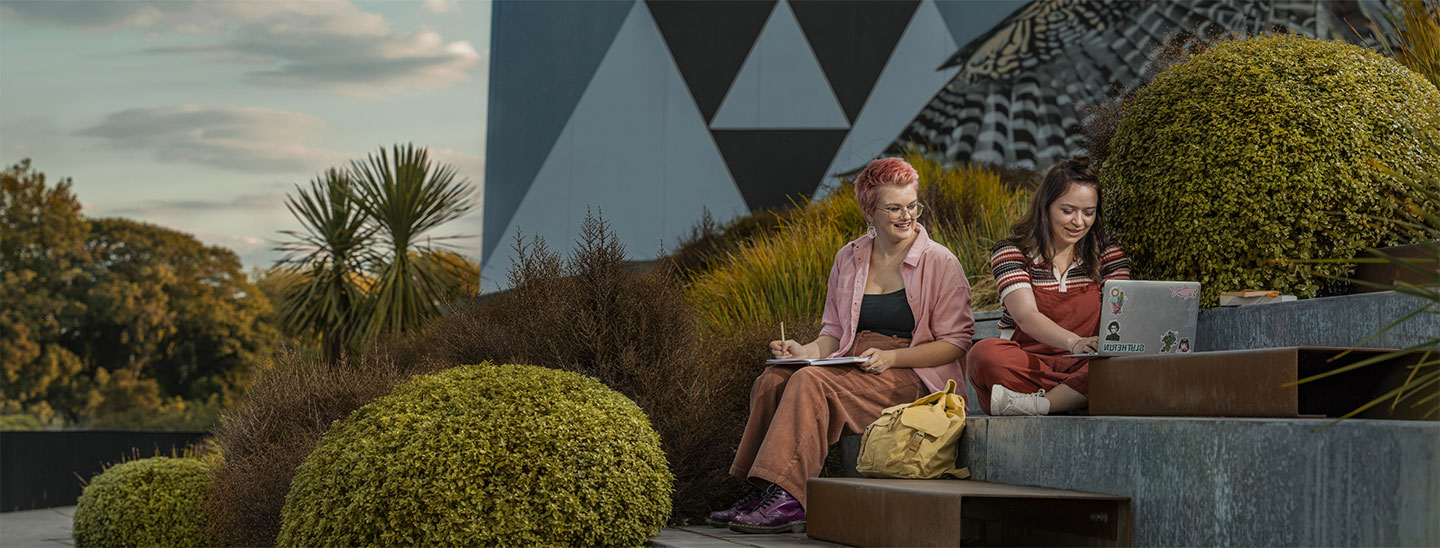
(1049, 273)
(894, 296)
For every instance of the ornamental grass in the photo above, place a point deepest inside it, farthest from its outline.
(781, 275)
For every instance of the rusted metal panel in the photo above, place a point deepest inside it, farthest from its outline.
(1245, 383)
(874, 512)
(1232, 383)
(1390, 275)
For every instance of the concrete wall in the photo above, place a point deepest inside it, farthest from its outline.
(1343, 321)
(1227, 482)
(1235, 482)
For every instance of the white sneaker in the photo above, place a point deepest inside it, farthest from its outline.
(1004, 401)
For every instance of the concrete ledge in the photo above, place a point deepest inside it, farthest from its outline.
(1229, 482)
(987, 324)
(1342, 321)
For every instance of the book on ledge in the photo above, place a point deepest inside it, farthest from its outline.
(843, 360)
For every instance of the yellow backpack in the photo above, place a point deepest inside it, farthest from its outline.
(917, 440)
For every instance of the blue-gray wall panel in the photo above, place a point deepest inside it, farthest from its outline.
(968, 19)
(542, 56)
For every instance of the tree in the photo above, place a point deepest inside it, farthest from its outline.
(323, 291)
(365, 265)
(42, 250)
(112, 315)
(182, 311)
(460, 276)
(406, 196)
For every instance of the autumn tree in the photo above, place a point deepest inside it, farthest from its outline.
(184, 310)
(113, 315)
(42, 258)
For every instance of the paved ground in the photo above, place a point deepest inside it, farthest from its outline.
(50, 528)
(46, 528)
(702, 536)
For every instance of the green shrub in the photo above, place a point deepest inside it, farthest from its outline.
(781, 276)
(484, 455)
(146, 502)
(631, 327)
(20, 421)
(1259, 150)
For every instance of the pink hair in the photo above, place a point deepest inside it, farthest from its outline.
(883, 172)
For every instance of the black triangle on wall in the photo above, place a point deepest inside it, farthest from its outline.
(709, 41)
(772, 166)
(853, 41)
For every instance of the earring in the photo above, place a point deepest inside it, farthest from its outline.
(870, 232)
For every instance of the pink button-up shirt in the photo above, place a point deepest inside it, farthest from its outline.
(935, 286)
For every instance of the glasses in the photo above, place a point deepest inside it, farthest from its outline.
(914, 209)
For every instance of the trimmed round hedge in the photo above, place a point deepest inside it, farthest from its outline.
(1263, 149)
(146, 502)
(484, 455)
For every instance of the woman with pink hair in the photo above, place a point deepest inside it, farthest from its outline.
(896, 297)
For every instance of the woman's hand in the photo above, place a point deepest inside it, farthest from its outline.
(880, 360)
(788, 349)
(1084, 345)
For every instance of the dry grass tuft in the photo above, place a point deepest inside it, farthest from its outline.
(284, 414)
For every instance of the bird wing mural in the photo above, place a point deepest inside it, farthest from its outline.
(1019, 96)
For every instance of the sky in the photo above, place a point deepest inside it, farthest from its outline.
(202, 116)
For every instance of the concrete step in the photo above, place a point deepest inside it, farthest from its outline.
(1250, 383)
(889, 512)
(1341, 321)
(1226, 481)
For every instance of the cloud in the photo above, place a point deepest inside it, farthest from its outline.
(440, 6)
(99, 15)
(322, 44)
(246, 203)
(469, 166)
(239, 139)
(253, 250)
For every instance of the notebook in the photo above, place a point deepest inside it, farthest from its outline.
(1146, 317)
(842, 360)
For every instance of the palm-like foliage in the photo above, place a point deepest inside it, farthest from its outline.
(328, 259)
(405, 195)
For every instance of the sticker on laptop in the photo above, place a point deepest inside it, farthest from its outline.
(1114, 329)
(1186, 293)
(1117, 300)
(1122, 347)
(1169, 342)
(1184, 344)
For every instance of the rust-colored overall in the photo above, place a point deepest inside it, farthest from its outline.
(797, 413)
(1026, 365)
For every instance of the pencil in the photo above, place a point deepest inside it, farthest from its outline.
(782, 332)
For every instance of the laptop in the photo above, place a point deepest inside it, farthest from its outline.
(1140, 317)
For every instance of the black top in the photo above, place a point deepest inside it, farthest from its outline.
(887, 314)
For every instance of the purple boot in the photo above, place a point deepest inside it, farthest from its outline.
(722, 518)
(777, 513)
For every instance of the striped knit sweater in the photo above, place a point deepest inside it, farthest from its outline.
(1014, 271)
